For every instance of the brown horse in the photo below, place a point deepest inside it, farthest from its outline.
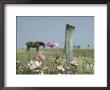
(34, 45)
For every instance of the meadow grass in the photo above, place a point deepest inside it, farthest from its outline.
(84, 58)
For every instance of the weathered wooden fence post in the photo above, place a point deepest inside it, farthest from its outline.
(69, 43)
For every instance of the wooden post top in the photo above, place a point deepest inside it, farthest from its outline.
(69, 26)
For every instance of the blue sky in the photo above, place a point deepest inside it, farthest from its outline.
(52, 28)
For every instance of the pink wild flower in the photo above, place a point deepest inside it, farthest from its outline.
(40, 56)
(34, 64)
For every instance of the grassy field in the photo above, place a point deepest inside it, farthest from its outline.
(83, 57)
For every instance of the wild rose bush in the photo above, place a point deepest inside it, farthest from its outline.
(35, 66)
(53, 44)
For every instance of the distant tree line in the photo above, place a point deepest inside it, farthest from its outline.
(78, 46)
